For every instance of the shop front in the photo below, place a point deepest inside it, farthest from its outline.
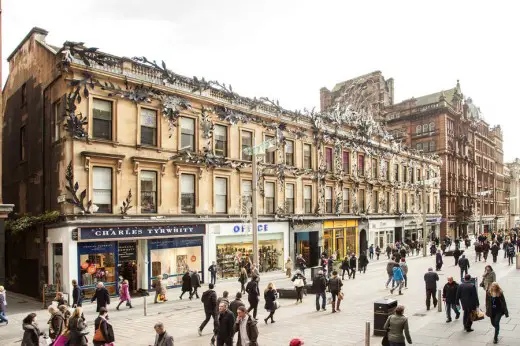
(381, 232)
(340, 238)
(135, 253)
(412, 230)
(230, 245)
(307, 241)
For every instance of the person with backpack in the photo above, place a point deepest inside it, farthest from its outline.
(335, 285)
(353, 266)
(299, 283)
(209, 299)
(510, 253)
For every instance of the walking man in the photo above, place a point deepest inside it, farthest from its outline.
(362, 262)
(456, 255)
(253, 295)
(209, 299)
(319, 285)
(449, 296)
(468, 297)
(353, 265)
(235, 304)
(478, 251)
(213, 271)
(390, 271)
(335, 285)
(431, 278)
(371, 251)
(345, 267)
(464, 266)
(301, 264)
(404, 269)
(162, 338)
(195, 284)
(226, 326)
(246, 328)
(494, 252)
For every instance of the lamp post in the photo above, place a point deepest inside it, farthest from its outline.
(482, 194)
(426, 183)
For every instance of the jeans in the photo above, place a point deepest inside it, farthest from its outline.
(478, 255)
(3, 317)
(390, 278)
(495, 322)
(398, 285)
(323, 301)
(371, 255)
(462, 272)
(405, 280)
(429, 295)
(343, 273)
(215, 321)
(495, 258)
(224, 341)
(213, 278)
(466, 319)
(253, 305)
(509, 260)
(449, 307)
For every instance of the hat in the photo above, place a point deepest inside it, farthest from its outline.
(296, 342)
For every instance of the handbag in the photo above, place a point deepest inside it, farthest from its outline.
(276, 305)
(477, 315)
(341, 296)
(98, 336)
(385, 341)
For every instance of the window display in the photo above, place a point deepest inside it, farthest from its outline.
(97, 263)
(327, 242)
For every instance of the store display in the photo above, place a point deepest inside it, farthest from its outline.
(230, 258)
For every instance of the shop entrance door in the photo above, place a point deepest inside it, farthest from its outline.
(127, 255)
(362, 241)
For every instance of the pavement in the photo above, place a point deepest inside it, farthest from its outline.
(182, 317)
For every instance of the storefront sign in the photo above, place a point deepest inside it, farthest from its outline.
(242, 229)
(307, 227)
(382, 224)
(139, 231)
(127, 251)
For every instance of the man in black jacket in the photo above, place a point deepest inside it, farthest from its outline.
(233, 306)
(494, 252)
(226, 323)
(195, 284)
(77, 295)
(353, 266)
(468, 297)
(449, 296)
(253, 295)
(464, 266)
(209, 299)
(319, 285)
(431, 278)
(456, 255)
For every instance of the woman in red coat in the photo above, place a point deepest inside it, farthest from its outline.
(125, 295)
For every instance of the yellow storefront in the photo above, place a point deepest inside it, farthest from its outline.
(341, 237)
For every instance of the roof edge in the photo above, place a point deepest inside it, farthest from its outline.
(34, 30)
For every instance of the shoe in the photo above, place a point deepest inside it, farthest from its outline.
(448, 320)
(323, 309)
(495, 340)
(457, 317)
(338, 310)
(180, 297)
(199, 331)
(400, 293)
(333, 311)
(469, 330)
(392, 291)
(265, 320)
(117, 308)
(434, 305)
(273, 321)
(427, 308)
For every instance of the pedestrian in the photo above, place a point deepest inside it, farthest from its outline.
(378, 252)
(125, 295)
(335, 285)
(77, 329)
(226, 323)
(319, 285)
(362, 262)
(504, 247)
(456, 255)
(396, 325)
(242, 279)
(253, 295)
(186, 284)
(59, 299)
(3, 307)
(271, 303)
(464, 266)
(209, 299)
(443, 247)
(301, 263)
(101, 297)
(390, 271)
(299, 283)
(488, 278)
(485, 250)
(496, 307)
(288, 267)
(371, 251)
(330, 266)
(494, 252)
(398, 278)
(162, 338)
(31, 332)
(353, 265)
(56, 322)
(449, 296)
(213, 271)
(224, 298)
(64, 309)
(478, 251)
(246, 328)
(404, 269)
(468, 297)
(77, 294)
(195, 283)
(388, 251)
(438, 261)
(510, 253)
(235, 304)
(433, 249)
(103, 332)
(255, 272)
(402, 251)
(345, 267)
(431, 278)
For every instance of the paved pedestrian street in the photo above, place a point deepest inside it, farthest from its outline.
(347, 327)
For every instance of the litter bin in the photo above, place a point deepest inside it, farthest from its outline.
(382, 309)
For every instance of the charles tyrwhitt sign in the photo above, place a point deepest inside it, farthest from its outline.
(103, 233)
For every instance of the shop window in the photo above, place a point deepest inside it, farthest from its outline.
(148, 127)
(361, 165)
(247, 143)
(346, 162)
(374, 168)
(220, 134)
(23, 139)
(97, 263)
(350, 240)
(289, 153)
(340, 243)
(289, 198)
(247, 196)
(188, 193)
(328, 199)
(148, 192)
(307, 156)
(328, 159)
(102, 189)
(220, 195)
(307, 198)
(327, 241)
(361, 195)
(187, 134)
(346, 201)
(269, 155)
(269, 198)
(102, 119)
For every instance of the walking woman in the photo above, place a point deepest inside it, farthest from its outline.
(271, 304)
(488, 278)
(77, 329)
(186, 284)
(397, 324)
(243, 279)
(103, 332)
(299, 283)
(31, 332)
(125, 295)
(496, 307)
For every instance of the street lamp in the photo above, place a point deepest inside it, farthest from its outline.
(259, 150)
(482, 194)
(426, 183)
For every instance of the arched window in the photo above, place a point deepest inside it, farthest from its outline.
(425, 128)
(418, 129)
(432, 126)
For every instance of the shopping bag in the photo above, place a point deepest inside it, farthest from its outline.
(477, 315)
(341, 296)
(329, 300)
